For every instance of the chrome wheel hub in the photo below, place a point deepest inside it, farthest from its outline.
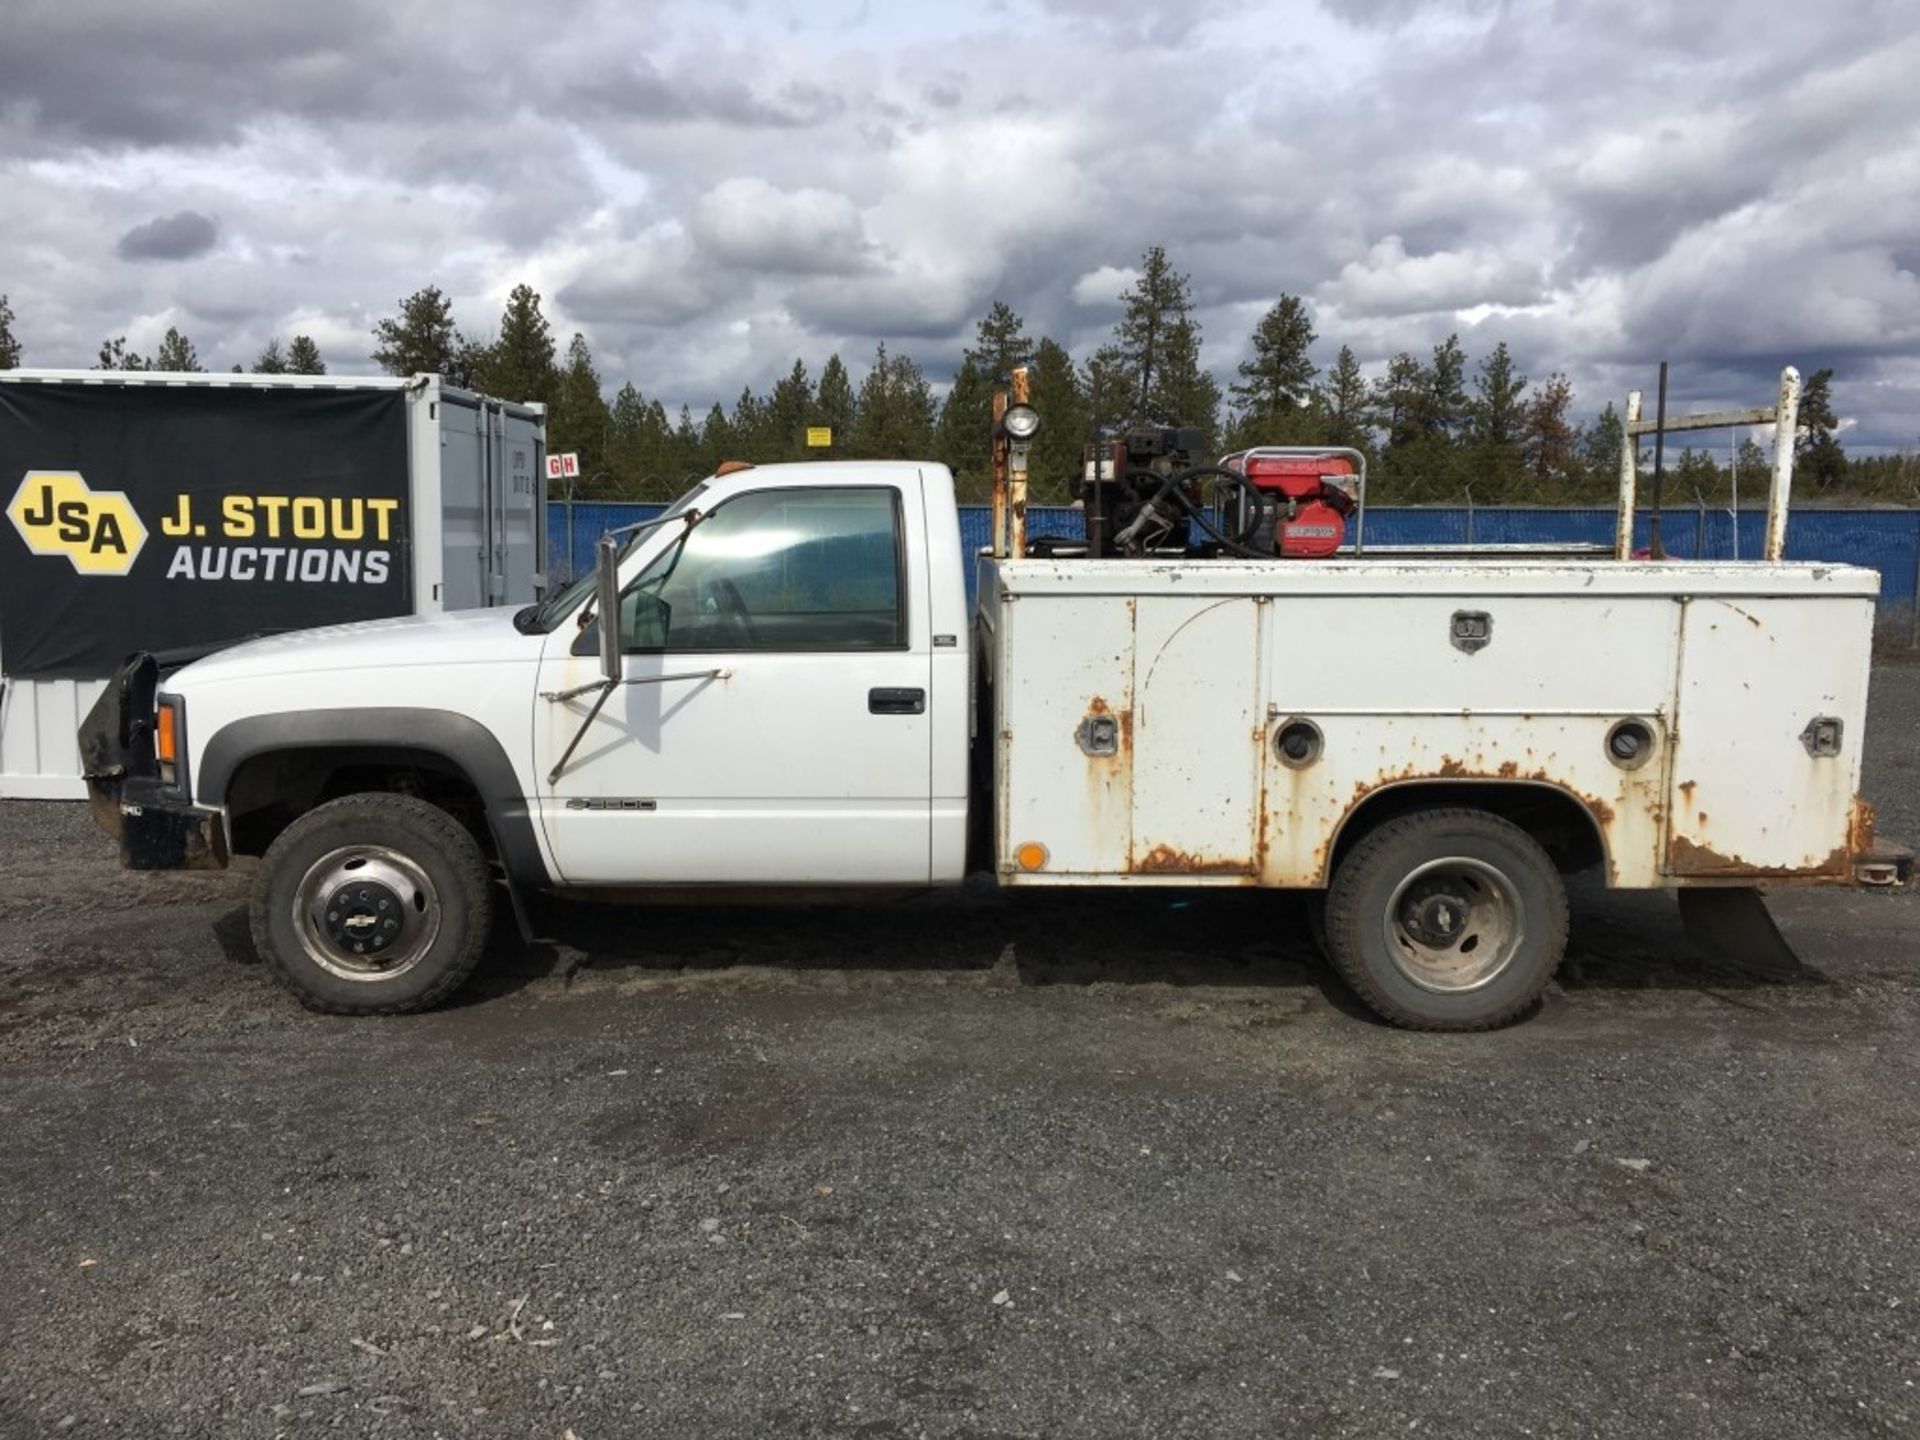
(1454, 924)
(366, 912)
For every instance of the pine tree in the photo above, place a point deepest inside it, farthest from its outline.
(1752, 467)
(626, 445)
(1697, 476)
(1155, 301)
(1185, 393)
(716, 440)
(1109, 393)
(9, 346)
(895, 411)
(114, 355)
(579, 420)
(421, 339)
(303, 357)
(1000, 343)
(1547, 443)
(1496, 425)
(961, 437)
(834, 405)
(751, 431)
(1818, 456)
(1597, 452)
(272, 360)
(1155, 354)
(1346, 403)
(176, 352)
(683, 453)
(1276, 380)
(1065, 423)
(1397, 401)
(1447, 407)
(519, 365)
(788, 408)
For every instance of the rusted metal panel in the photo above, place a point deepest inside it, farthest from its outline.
(1724, 665)
(1198, 733)
(1367, 755)
(1060, 664)
(1750, 799)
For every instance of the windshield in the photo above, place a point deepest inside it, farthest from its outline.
(545, 615)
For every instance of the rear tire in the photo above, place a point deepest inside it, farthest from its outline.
(1447, 919)
(372, 904)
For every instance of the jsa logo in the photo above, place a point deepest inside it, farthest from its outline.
(56, 514)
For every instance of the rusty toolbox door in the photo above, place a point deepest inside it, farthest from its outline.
(1197, 734)
(1772, 699)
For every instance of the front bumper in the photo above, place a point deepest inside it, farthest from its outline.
(158, 831)
(158, 826)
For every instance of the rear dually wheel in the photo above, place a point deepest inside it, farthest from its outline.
(1447, 919)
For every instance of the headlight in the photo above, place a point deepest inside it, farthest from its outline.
(1020, 422)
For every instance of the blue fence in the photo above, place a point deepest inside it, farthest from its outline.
(1885, 540)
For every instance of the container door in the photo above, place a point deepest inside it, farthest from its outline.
(522, 527)
(464, 506)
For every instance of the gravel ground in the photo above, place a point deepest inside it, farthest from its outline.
(971, 1165)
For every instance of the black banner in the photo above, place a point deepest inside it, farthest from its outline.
(153, 517)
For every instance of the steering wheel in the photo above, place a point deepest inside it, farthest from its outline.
(735, 606)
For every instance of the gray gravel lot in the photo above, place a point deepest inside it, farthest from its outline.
(970, 1165)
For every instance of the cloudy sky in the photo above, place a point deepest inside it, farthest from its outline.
(709, 189)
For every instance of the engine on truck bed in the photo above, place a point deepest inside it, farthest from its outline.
(1309, 499)
(1152, 490)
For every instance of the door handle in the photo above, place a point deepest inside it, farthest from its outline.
(889, 700)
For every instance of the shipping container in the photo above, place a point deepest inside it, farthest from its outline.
(178, 512)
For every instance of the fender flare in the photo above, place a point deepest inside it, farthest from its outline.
(459, 740)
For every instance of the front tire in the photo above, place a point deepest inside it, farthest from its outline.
(1447, 919)
(372, 904)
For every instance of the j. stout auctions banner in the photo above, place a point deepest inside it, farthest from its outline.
(151, 517)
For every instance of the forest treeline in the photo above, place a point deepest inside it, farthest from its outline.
(1436, 428)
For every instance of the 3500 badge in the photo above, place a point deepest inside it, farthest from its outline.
(57, 513)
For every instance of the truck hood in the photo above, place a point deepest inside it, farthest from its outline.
(414, 642)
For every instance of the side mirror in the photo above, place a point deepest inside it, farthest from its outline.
(606, 579)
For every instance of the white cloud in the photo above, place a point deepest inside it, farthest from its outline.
(1102, 288)
(749, 224)
(708, 191)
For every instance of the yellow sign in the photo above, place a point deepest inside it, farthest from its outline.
(57, 514)
(819, 437)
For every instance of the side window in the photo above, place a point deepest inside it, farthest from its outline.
(777, 570)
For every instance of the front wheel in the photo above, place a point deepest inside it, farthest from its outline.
(1447, 919)
(372, 904)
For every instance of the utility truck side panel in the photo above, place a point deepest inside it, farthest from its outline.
(1140, 711)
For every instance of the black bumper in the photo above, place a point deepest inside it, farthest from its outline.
(158, 827)
(162, 832)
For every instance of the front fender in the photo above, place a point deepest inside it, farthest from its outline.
(457, 739)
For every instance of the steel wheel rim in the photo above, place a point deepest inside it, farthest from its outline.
(343, 924)
(1487, 932)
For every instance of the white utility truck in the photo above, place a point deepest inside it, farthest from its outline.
(792, 693)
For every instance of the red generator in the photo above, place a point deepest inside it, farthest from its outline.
(1314, 492)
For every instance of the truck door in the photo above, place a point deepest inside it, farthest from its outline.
(774, 724)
